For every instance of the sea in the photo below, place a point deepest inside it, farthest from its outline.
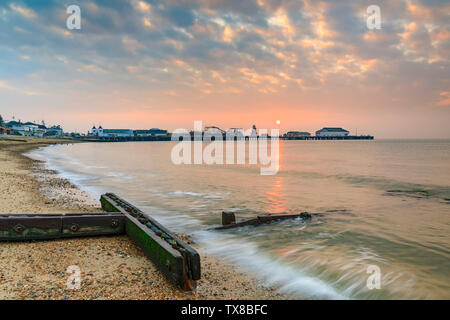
(381, 223)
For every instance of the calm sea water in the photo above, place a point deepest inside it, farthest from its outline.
(384, 203)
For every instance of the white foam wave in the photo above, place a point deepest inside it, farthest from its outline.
(247, 256)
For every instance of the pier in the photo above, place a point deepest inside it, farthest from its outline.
(169, 138)
(368, 137)
(124, 139)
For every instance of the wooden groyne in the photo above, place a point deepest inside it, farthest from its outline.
(229, 220)
(21, 227)
(178, 261)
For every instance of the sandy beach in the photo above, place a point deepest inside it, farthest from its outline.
(111, 267)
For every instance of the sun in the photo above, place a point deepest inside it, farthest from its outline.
(278, 121)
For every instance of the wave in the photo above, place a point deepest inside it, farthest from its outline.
(216, 196)
(246, 255)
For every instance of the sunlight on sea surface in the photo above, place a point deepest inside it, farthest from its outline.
(384, 203)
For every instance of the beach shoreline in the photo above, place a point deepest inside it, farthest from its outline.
(111, 267)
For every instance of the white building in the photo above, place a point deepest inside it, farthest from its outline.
(112, 133)
(26, 130)
(17, 126)
(332, 132)
(31, 129)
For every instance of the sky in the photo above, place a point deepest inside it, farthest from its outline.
(229, 63)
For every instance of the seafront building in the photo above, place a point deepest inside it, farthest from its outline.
(4, 130)
(332, 132)
(297, 134)
(55, 131)
(154, 132)
(30, 129)
(111, 133)
(126, 133)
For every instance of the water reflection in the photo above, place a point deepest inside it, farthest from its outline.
(275, 197)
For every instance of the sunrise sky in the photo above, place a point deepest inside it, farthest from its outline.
(230, 63)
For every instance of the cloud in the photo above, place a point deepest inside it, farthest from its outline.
(444, 100)
(130, 44)
(25, 12)
(5, 85)
(142, 6)
(293, 49)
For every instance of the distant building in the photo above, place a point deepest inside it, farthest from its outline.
(332, 132)
(297, 134)
(154, 132)
(39, 126)
(115, 133)
(214, 130)
(55, 131)
(28, 129)
(17, 126)
(239, 131)
(235, 133)
(158, 132)
(110, 133)
(4, 130)
(74, 135)
(142, 133)
(251, 133)
(125, 133)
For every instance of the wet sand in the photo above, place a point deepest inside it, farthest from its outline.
(111, 267)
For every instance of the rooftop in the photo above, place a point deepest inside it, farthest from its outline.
(333, 130)
(116, 130)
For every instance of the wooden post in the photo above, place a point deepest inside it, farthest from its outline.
(228, 218)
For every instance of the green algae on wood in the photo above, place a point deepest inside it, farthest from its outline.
(22, 227)
(177, 260)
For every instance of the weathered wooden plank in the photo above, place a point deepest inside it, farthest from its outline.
(261, 220)
(178, 261)
(90, 225)
(27, 227)
(169, 260)
(19, 227)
